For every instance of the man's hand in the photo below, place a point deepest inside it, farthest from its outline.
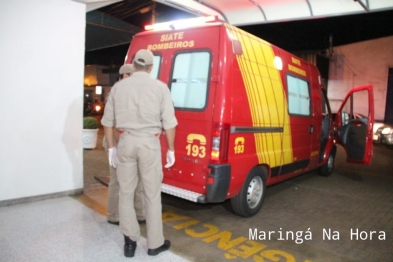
(170, 159)
(112, 156)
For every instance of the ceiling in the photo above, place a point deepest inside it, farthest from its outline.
(103, 31)
(113, 23)
(294, 25)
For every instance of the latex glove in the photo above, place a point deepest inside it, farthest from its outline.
(170, 159)
(112, 156)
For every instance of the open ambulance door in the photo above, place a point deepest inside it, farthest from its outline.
(354, 124)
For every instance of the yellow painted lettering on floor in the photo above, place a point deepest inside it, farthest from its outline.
(211, 230)
(225, 241)
(239, 247)
(229, 256)
(274, 255)
(169, 216)
(247, 249)
(186, 224)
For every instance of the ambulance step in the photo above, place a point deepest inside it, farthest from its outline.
(183, 193)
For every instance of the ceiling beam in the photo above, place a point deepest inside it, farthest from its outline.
(310, 7)
(364, 5)
(260, 8)
(214, 8)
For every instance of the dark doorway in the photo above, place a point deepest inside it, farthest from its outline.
(389, 99)
(323, 67)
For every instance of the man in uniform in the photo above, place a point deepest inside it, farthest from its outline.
(141, 107)
(113, 187)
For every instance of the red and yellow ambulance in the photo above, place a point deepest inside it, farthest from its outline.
(250, 114)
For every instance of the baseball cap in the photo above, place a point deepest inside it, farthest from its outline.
(126, 69)
(144, 57)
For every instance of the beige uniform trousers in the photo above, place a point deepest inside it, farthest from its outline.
(113, 195)
(143, 154)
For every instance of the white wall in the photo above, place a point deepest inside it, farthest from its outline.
(361, 64)
(41, 97)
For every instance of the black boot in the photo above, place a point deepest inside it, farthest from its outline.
(129, 247)
(158, 250)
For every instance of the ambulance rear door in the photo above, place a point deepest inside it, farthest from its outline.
(354, 124)
(193, 82)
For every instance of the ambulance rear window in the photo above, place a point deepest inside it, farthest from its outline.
(189, 81)
(156, 68)
(157, 64)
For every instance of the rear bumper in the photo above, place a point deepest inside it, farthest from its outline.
(220, 177)
(183, 193)
(216, 191)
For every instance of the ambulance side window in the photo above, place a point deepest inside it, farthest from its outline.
(189, 81)
(298, 96)
(356, 108)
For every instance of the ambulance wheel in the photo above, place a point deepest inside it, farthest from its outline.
(249, 201)
(327, 168)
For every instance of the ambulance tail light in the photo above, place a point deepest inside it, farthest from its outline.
(220, 141)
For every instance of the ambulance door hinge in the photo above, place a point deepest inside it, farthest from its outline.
(216, 79)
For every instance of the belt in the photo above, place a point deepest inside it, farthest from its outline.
(122, 131)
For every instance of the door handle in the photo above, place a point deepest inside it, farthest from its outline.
(310, 129)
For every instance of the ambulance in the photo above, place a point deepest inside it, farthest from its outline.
(249, 114)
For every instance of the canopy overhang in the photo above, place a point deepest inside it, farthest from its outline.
(251, 12)
(102, 31)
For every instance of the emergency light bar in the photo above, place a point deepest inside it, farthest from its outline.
(181, 24)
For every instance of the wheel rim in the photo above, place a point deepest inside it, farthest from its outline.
(254, 192)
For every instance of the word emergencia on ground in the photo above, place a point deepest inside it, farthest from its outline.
(239, 247)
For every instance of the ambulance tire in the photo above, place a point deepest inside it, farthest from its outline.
(327, 168)
(250, 198)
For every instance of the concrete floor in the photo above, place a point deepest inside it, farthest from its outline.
(355, 198)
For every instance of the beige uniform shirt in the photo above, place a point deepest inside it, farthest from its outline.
(140, 104)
